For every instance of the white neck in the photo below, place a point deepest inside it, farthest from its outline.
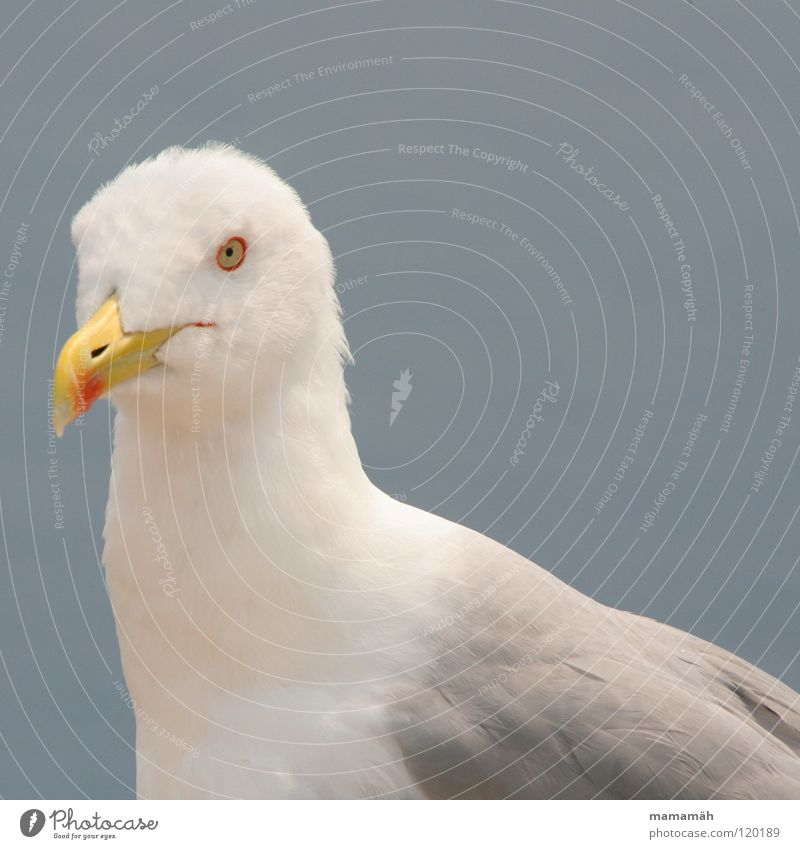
(246, 527)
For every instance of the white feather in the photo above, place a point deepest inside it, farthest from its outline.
(287, 630)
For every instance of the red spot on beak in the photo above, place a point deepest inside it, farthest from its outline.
(86, 396)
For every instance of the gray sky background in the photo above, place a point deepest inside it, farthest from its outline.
(449, 264)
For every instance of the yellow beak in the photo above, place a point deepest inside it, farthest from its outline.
(98, 356)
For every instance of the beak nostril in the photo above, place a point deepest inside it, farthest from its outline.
(97, 351)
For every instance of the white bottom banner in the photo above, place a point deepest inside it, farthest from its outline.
(398, 825)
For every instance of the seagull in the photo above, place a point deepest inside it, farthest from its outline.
(288, 630)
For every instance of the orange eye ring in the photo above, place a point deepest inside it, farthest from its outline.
(231, 255)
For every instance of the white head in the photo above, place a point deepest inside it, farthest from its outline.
(197, 268)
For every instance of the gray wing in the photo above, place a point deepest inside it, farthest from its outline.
(613, 706)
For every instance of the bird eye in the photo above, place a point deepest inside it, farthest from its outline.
(231, 255)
